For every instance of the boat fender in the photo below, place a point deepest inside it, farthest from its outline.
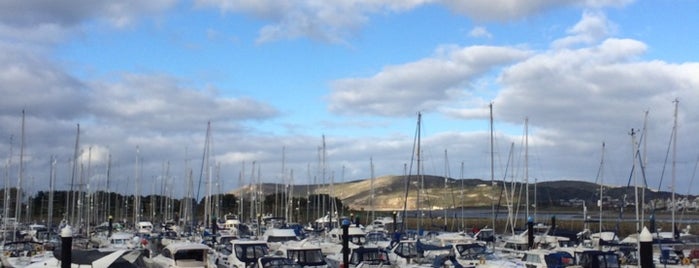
(685, 261)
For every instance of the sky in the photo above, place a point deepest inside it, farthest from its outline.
(568, 82)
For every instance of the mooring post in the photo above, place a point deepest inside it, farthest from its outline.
(345, 243)
(66, 247)
(530, 232)
(645, 252)
(110, 227)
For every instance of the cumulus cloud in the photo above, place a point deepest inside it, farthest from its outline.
(577, 98)
(479, 32)
(158, 102)
(73, 12)
(421, 85)
(29, 80)
(592, 28)
(504, 10)
(47, 22)
(327, 21)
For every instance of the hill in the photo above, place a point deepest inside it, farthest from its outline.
(390, 193)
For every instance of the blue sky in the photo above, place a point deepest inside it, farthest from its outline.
(281, 74)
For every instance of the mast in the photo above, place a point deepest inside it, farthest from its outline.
(89, 196)
(6, 191)
(137, 196)
(18, 195)
(70, 201)
(461, 203)
(371, 186)
(601, 187)
(278, 200)
(322, 177)
(674, 159)
(492, 169)
(635, 177)
(419, 175)
(526, 164)
(644, 164)
(107, 210)
(446, 182)
(241, 194)
(52, 180)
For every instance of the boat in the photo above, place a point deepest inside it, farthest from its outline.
(277, 262)
(241, 253)
(185, 254)
(144, 227)
(363, 257)
(97, 258)
(23, 253)
(307, 256)
(546, 258)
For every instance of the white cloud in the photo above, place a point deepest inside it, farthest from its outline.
(49, 22)
(421, 85)
(328, 21)
(480, 31)
(578, 98)
(337, 20)
(592, 28)
(159, 103)
(29, 80)
(504, 10)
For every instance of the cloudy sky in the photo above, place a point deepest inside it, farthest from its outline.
(143, 78)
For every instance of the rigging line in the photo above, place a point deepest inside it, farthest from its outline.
(409, 175)
(662, 172)
(694, 172)
(503, 189)
(203, 163)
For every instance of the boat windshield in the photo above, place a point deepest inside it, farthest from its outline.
(306, 257)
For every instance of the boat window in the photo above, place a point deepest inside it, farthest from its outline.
(533, 258)
(166, 253)
(369, 256)
(250, 252)
(190, 255)
(609, 260)
(281, 238)
(406, 250)
(357, 239)
(306, 256)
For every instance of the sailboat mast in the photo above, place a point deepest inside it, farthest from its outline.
(322, 163)
(644, 163)
(371, 205)
(492, 168)
(601, 188)
(279, 200)
(137, 196)
(70, 201)
(52, 180)
(18, 202)
(241, 194)
(6, 191)
(446, 182)
(674, 158)
(635, 177)
(108, 206)
(419, 176)
(526, 164)
(461, 196)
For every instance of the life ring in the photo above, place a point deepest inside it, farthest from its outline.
(686, 261)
